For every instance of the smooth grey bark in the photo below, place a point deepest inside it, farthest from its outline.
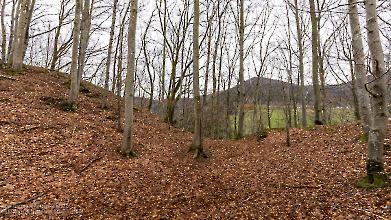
(197, 136)
(84, 32)
(13, 29)
(119, 67)
(17, 56)
(315, 63)
(241, 95)
(74, 90)
(377, 133)
(359, 66)
(3, 35)
(162, 92)
(109, 53)
(84, 38)
(127, 145)
(27, 31)
(354, 91)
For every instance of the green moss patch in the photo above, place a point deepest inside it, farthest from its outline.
(13, 72)
(59, 103)
(374, 181)
(364, 138)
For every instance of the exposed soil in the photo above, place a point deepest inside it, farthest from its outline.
(68, 165)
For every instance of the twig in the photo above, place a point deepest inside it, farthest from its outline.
(296, 186)
(7, 77)
(90, 163)
(33, 127)
(21, 203)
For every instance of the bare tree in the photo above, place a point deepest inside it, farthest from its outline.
(74, 91)
(109, 53)
(30, 12)
(56, 49)
(80, 40)
(127, 145)
(241, 95)
(3, 34)
(315, 62)
(359, 66)
(301, 64)
(197, 137)
(20, 38)
(13, 29)
(379, 92)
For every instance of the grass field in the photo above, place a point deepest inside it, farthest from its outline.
(277, 118)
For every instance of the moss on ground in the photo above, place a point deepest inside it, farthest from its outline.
(374, 181)
(59, 103)
(364, 137)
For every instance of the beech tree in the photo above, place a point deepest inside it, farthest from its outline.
(3, 34)
(74, 91)
(379, 93)
(241, 70)
(359, 66)
(315, 65)
(127, 145)
(301, 63)
(197, 136)
(81, 35)
(20, 37)
(109, 53)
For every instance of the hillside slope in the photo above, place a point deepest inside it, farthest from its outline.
(66, 165)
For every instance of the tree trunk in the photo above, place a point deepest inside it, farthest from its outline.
(57, 34)
(127, 146)
(163, 71)
(269, 114)
(74, 90)
(359, 66)
(13, 29)
(301, 66)
(109, 53)
(119, 74)
(354, 92)
(27, 31)
(3, 35)
(377, 133)
(241, 71)
(84, 38)
(17, 57)
(197, 137)
(315, 74)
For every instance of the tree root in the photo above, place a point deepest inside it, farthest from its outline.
(90, 163)
(129, 154)
(200, 154)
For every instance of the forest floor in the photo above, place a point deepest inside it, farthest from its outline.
(57, 164)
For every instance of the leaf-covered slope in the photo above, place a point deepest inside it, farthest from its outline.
(70, 161)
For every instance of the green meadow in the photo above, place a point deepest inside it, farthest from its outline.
(278, 120)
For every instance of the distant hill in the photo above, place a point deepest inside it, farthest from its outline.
(336, 95)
